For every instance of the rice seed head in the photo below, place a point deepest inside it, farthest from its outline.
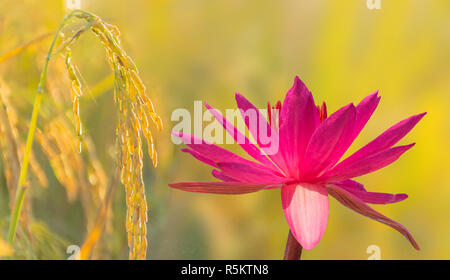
(134, 117)
(76, 93)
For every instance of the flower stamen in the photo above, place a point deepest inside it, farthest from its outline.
(322, 112)
(274, 114)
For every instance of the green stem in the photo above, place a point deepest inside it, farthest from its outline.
(21, 188)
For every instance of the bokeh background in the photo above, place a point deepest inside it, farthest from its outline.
(206, 50)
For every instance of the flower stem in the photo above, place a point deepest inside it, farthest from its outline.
(293, 249)
(21, 188)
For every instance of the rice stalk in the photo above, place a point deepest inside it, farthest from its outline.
(21, 187)
(81, 175)
(11, 150)
(20, 48)
(56, 141)
(135, 115)
(91, 180)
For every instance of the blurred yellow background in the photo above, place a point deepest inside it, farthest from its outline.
(206, 50)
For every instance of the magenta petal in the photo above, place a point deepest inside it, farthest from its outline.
(351, 201)
(364, 111)
(350, 169)
(351, 185)
(249, 174)
(207, 149)
(387, 139)
(199, 157)
(241, 139)
(370, 197)
(246, 106)
(329, 142)
(305, 207)
(299, 119)
(219, 175)
(212, 152)
(218, 187)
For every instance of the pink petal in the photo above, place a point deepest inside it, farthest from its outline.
(329, 142)
(207, 149)
(246, 106)
(218, 187)
(350, 169)
(305, 207)
(219, 175)
(199, 157)
(370, 197)
(364, 111)
(241, 139)
(349, 131)
(351, 201)
(212, 153)
(299, 119)
(351, 185)
(387, 139)
(249, 174)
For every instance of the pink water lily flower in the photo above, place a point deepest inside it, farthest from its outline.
(307, 166)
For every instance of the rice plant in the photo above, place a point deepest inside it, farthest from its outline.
(135, 114)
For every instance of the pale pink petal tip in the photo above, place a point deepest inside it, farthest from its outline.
(306, 210)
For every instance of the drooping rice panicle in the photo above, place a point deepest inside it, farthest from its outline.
(76, 93)
(65, 45)
(135, 115)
